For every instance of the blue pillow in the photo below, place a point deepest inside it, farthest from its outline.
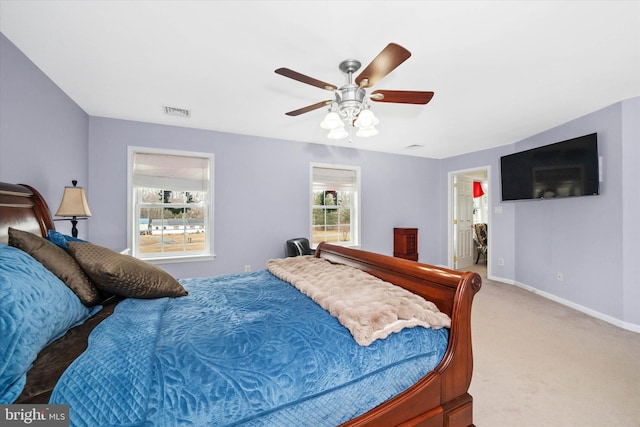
(60, 239)
(35, 309)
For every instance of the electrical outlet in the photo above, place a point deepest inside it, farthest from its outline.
(247, 268)
(500, 261)
(560, 277)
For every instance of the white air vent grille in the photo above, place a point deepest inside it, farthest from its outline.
(174, 111)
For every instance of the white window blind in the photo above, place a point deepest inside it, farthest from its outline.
(179, 173)
(325, 178)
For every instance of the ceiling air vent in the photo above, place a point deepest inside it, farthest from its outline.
(414, 147)
(173, 111)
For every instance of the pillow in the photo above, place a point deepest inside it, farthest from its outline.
(122, 274)
(60, 239)
(58, 262)
(35, 309)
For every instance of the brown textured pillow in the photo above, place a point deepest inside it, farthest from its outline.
(122, 274)
(58, 262)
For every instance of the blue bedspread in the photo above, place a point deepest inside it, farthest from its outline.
(246, 349)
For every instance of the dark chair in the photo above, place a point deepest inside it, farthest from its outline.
(298, 246)
(481, 240)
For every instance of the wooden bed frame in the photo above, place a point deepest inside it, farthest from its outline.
(440, 398)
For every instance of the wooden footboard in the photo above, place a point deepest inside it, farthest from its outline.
(440, 398)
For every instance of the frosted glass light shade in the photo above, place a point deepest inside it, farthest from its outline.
(367, 131)
(338, 133)
(366, 119)
(331, 121)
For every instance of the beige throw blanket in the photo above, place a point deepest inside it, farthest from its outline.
(368, 307)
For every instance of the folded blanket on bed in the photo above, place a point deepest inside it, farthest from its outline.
(368, 307)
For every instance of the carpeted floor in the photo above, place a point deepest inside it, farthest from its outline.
(539, 363)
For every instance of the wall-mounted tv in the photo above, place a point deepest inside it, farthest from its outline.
(564, 169)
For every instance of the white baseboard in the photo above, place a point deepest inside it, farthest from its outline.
(501, 280)
(586, 310)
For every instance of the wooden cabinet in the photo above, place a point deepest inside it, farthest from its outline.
(405, 243)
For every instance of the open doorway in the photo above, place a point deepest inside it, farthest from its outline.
(468, 206)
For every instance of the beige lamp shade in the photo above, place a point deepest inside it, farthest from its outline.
(74, 203)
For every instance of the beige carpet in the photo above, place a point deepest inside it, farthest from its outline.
(539, 363)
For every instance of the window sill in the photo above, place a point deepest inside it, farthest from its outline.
(181, 259)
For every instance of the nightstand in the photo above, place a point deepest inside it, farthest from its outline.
(405, 243)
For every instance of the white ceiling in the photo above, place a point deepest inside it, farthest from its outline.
(501, 70)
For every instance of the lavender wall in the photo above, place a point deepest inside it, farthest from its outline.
(630, 211)
(262, 192)
(43, 133)
(579, 237)
(592, 241)
(46, 140)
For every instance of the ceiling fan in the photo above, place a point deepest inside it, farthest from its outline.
(350, 104)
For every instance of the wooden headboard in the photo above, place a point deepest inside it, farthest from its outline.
(22, 207)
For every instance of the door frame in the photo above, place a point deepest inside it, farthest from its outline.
(451, 200)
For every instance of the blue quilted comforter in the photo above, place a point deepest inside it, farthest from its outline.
(245, 349)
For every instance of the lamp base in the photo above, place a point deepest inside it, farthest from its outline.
(74, 229)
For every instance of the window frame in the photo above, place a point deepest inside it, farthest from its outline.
(133, 230)
(355, 214)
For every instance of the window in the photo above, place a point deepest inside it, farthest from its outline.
(171, 212)
(335, 205)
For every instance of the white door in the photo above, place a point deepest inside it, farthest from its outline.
(464, 248)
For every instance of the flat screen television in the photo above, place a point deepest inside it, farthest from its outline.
(565, 169)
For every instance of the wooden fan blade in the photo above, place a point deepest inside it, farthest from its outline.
(386, 61)
(305, 79)
(308, 108)
(401, 96)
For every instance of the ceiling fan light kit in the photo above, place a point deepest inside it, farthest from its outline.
(350, 106)
(338, 133)
(331, 121)
(366, 132)
(366, 119)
